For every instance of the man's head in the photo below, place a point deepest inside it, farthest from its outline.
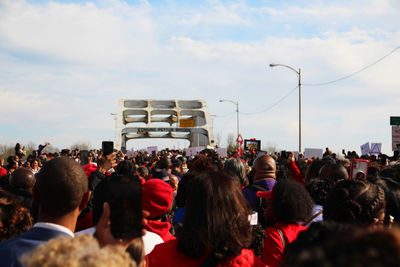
(22, 178)
(264, 167)
(334, 172)
(60, 186)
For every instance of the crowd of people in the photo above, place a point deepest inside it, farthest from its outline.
(86, 208)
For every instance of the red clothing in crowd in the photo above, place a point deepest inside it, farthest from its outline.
(167, 255)
(273, 245)
(160, 228)
(89, 168)
(3, 171)
(296, 174)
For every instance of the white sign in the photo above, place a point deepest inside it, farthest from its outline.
(150, 149)
(395, 137)
(193, 151)
(376, 148)
(130, 153)
(223, 152)
(315, 153)
(365, 149)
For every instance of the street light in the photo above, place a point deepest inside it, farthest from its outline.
(237, 111)
(298, 74)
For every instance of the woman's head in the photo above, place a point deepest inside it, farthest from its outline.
(237, 168)
(289, 203)
(15, 219)
(355, 201)
(216, 218)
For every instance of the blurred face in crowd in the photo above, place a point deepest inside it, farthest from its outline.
(35, 164)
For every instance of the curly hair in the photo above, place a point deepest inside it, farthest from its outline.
(82, 250)
(318, 188)
(350, 248)
(291, 202)
(201, 164)
(216, 219)
(355, 201)
(15, 219)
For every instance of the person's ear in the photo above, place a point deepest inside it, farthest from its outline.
(84, 201)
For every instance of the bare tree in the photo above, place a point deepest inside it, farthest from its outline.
(81, 145)
(231, 144)
(6, 150)
(270, 147)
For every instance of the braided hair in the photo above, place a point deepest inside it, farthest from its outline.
(355, 201)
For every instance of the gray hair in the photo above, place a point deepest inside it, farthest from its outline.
(236, 167)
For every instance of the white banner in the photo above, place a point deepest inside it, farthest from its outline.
(193, 151)
(315, 153)
(223, 152)
(375, 148)
(365, 149)
(130, 153)
(150, 149)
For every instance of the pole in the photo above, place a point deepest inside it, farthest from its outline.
(237, 111)
(299, 74)
(299, 111)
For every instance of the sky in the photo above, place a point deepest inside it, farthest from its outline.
(65, 64)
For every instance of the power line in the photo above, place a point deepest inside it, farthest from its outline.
(317, 84)
(273, 105)
(354, 73)
(225, 115)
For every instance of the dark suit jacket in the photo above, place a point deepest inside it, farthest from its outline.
(11, 250)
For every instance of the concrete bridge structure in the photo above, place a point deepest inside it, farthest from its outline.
(180, 119)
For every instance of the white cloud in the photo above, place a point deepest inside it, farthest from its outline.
(85, 33)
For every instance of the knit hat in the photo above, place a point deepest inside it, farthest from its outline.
(157, 197)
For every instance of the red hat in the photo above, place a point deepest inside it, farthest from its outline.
(268, 195)
(157, 197)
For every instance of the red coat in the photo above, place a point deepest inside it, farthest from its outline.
(273, 245)
(167, 255)
(89, 168)
(3, 171)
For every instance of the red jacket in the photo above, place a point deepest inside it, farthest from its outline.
(167, 255)
(89, 168)
(160, 228)
(3, 171)
(273, 245)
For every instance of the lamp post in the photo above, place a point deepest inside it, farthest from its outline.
(237, 111)
(298, 74)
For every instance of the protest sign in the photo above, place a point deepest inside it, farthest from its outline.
(315, 153)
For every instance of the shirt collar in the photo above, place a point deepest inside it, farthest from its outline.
(53, 226)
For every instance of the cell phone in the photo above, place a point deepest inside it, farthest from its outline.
(125, 206)
(84, 156)
(359, 168)
(284, 154)
(107, 147)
